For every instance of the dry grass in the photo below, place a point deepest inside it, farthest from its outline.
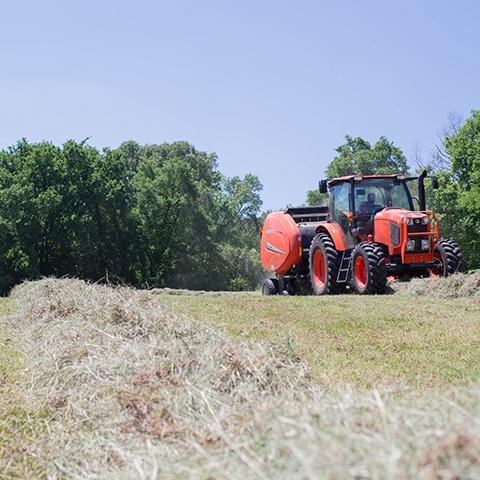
(116, 373)
(21, 425)
(127, 389)
(461, 285)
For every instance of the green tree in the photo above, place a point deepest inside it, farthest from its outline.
(152, 215)
(357, 156)
(237, 230)
(198, 228)
(31, 184)
(314, 197)
(457, 201)
(174, 186)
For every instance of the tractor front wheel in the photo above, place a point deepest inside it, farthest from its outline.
(368, 269)
(449, 259)
(324, 262)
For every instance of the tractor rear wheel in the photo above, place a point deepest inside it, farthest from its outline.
(269, 287)
(449, 259)
(368, 269)
(324, 262)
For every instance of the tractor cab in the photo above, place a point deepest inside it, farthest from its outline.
(355, 200)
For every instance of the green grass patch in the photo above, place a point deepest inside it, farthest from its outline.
(21, 425)
(365, 342)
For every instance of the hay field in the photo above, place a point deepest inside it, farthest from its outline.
(425, 335)
(116, 383)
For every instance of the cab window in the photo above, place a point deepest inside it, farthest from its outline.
(374, 194)
(340, 206)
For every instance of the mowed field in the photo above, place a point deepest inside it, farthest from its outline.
(100, 382)
(415, 342)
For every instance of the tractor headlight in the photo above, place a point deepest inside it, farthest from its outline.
(410, 245)
(425, 220)
(425, 244)
(409, 221)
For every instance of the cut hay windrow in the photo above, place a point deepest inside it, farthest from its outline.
(130, 385)
(455, 286)
(131, 390)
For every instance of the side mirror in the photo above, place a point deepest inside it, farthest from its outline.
(322, 186)
(434, 183)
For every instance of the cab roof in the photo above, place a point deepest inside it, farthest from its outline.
(349, 178)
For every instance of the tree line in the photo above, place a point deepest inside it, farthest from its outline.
(142, 215)
(164, 215)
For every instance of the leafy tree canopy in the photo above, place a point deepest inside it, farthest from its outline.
(357, 156)
(314, 197)
(145, 215)
(464, 150)
(457, 201)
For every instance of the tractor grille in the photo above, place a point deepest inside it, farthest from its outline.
(418, 228)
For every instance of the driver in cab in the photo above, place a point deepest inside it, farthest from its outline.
(369, 207)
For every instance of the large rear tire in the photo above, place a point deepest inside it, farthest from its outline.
(368, 269)
(324, 262)
(449, 258)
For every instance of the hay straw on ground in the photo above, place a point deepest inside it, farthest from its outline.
(456, 286)
(134, 391)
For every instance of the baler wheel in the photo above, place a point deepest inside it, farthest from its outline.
(269, 287)
(324, 262)
(450, 258)
(368, 269)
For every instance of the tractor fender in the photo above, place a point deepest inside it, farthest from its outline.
(336, 234)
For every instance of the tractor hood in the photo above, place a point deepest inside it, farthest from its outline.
(404, 231)
(396, 214)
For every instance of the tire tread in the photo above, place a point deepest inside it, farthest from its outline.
(453, 256)
(375, 264)
(269, 287)
(332, 257)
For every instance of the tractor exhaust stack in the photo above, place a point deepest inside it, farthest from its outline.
(421, 191)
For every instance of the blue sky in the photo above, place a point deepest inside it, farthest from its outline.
(271, 86)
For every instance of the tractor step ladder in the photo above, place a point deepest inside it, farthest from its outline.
(344, 269)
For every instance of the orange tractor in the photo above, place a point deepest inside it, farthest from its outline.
(368, 234)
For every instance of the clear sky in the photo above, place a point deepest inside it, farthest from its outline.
(271, 86)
